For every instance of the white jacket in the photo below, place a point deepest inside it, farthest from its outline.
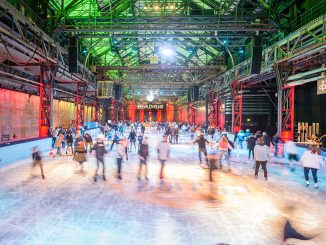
(311, 160)
(261, 153)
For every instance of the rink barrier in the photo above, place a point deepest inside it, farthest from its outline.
(16, 152)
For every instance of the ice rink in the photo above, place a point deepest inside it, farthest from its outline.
(185, 208)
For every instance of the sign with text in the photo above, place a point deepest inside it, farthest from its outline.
(151, 106)
(321, 86)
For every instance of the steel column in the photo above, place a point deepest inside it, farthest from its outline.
(236, 89)
(45, 104)
(287, 130)
(80, 104)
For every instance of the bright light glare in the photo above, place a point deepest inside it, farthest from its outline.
(166, 51)
(150, 97)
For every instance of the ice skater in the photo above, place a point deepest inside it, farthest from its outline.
(291, 149)
(311, 160)
(262, 155)
(37, 160)
(143, 156)
(120, 155)
(99, 149)
(201, 140)
(163, 149)
(223, 150)
(80, 153)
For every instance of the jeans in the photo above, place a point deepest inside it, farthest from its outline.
(141, 163)
(313, 171)
(222, 153)
(162, 166)
(100, 160)
(276, 150)
(253, 154)
(263, 165)
(202, 150)
(119, 163)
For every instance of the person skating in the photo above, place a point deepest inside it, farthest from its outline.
(275, 141)
(143, 155)
(37, 160)
(88, 142)
(80, 151)
(262, 155)
(115, 140)
(70, 141)
(120, 154)
(140, 140)
(142, 129)
(291, 149)
(311, 160)
(58, 143)
(163, 153)
(223, 148)
(132, 139)
(201, 140)
(99, 149)
(251, 145)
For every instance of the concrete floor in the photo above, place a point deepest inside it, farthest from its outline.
(69, 208)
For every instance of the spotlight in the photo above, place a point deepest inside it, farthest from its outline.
(166, 51)
(150, 97)
(241, 51)
(172, 7)
(146, 6)
(225, 41)
(156, 7)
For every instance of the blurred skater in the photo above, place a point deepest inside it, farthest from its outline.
(291, 149)
(37, 160)
(143, 156)
(262, 155)
(311, 160)
(80, 151)
(201, 140)
(120, 154)
(163, 153)
(99, 149)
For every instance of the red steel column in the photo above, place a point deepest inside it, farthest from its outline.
(287, 126)
(45, 104)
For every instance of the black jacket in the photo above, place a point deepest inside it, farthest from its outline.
(143, 151)
(251, 142)
(99, 148)
(201, 142)
(36, 156)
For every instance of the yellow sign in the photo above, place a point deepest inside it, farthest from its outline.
(321, 86)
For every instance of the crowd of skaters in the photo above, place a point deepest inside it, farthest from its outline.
(258, 146)
(78, 142)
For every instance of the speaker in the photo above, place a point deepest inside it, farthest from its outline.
(256, 58)
(72, 58)
(73, 41)
(196, 93)
(117, 91)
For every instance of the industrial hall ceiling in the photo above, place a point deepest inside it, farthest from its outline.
(160, 46)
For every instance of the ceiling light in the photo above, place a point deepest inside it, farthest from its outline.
(150, 97)
(166, 51)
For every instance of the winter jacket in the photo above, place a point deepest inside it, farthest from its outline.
(261, 153)
(36, 155)
(251, 142)
(88, 138)
(99, 148)
(311, 160)
(163, 150)
(201, 142)
(143, 151)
